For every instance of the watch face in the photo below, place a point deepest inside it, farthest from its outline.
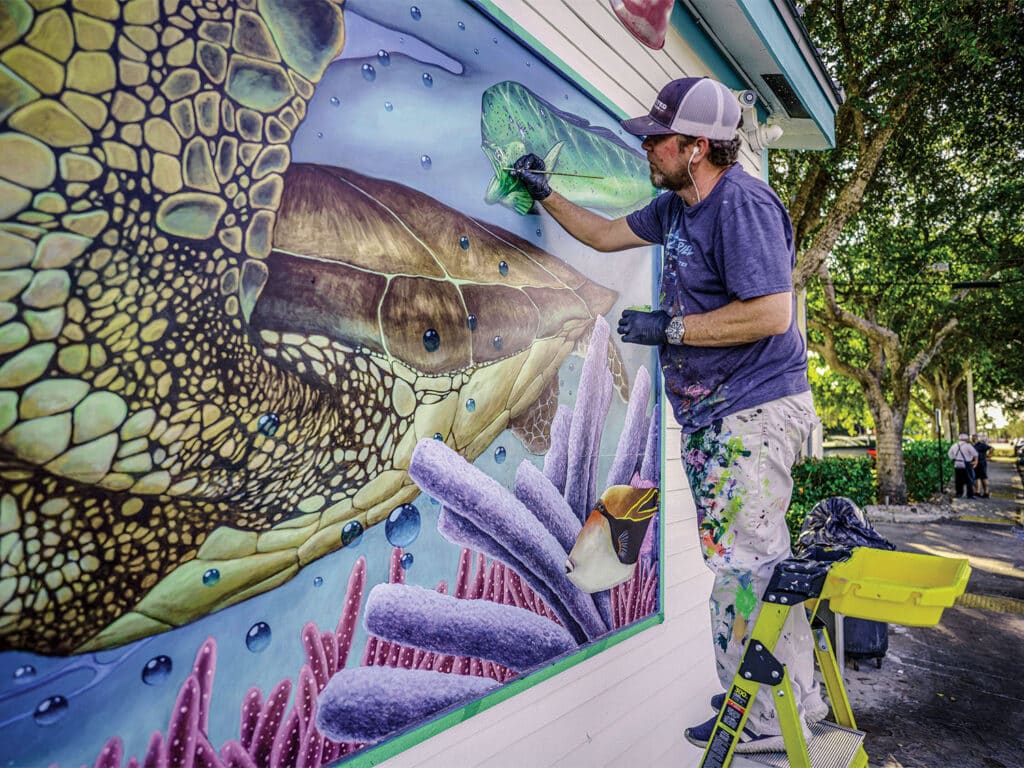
(675, 330)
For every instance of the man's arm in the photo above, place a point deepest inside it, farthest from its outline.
(589, 228)
(740, 322)
(586, 226)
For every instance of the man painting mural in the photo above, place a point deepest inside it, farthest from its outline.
(734, 362)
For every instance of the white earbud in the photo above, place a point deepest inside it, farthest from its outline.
(694, 153)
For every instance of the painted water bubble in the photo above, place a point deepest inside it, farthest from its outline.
(426, 162)
(431, 340)
(415, 12)
(50, 710)
(319, 134)
(503, 268)
(351, 533)
(499, 454)
(498, 342)
(428, 80)
(335, 101)
(462, 26)
(438, 436)
(24, 673)
(538, 232)
(407, 560)
(464, 243)
(471, 322)
(384, 58)
(211, 577)
(388, 106)
(403, 525)
(369, 73)
(318, 581)
(268, 424)
(257, 639)
(157, 670)
(471, 405)
(476, 51)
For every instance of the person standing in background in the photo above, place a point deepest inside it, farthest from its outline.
(981, 470)
(964, 457)
(734, 363)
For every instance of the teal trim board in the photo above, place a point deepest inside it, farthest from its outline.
(765, 19)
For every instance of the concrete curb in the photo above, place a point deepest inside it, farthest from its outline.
(909, 513)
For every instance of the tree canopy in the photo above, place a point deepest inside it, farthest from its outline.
(918, 204)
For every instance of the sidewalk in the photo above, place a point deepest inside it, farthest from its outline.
(953, 695)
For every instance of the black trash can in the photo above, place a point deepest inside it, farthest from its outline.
(865, 639)
(838, 521)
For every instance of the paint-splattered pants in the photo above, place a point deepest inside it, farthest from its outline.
(739, 471)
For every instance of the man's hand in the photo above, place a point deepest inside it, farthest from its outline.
(525, 169)
(644, 327)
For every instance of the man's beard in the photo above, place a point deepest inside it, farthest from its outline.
(671, 182)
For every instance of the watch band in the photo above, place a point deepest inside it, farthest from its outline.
(675, 330)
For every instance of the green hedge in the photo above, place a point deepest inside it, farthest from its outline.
(922, 460)
(817, 479)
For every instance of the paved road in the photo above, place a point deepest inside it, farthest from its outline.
(952, 696)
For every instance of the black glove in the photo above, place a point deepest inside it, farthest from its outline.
(525, 169)
(648, 328)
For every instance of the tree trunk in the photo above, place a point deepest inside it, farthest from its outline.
(889, 421)
(961, 412)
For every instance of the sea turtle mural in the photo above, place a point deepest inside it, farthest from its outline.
(212, 361)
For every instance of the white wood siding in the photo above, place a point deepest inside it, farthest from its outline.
(626, 707)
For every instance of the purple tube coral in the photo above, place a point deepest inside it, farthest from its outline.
(556, 460)
(510, 636)
(630, 451)
(589, 402)
(368, 703)
(539, 494)
(650, 469)
(482, 501)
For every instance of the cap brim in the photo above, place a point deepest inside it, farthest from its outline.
(645, 126)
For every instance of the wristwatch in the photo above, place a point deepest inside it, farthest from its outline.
(674, 330)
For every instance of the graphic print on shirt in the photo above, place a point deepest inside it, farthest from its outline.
(677, 250)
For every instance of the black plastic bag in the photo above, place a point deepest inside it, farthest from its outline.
(838, 522)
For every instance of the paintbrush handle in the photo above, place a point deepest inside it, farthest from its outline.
(560, 173)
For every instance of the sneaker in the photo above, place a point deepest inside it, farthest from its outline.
(811, 716)
(749, 742)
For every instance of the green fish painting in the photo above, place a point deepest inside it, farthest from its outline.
(515, 121)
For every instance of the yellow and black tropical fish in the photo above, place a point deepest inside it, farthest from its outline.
(608, 547)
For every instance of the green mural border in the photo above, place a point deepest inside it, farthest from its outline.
(372, 756)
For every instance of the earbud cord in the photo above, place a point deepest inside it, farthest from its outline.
(695, 187)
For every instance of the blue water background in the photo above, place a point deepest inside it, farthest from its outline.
(347, 125)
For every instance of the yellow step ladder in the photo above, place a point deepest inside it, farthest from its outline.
(897, 587)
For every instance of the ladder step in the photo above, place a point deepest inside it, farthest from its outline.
(831, 746)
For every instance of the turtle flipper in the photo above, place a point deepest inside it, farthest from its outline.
(533, 427)
(620, 375)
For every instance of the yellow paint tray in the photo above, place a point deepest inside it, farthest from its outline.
(895, 587)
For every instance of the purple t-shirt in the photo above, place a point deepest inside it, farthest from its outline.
(735, 244)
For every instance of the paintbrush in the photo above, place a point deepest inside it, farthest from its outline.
(559, 173)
